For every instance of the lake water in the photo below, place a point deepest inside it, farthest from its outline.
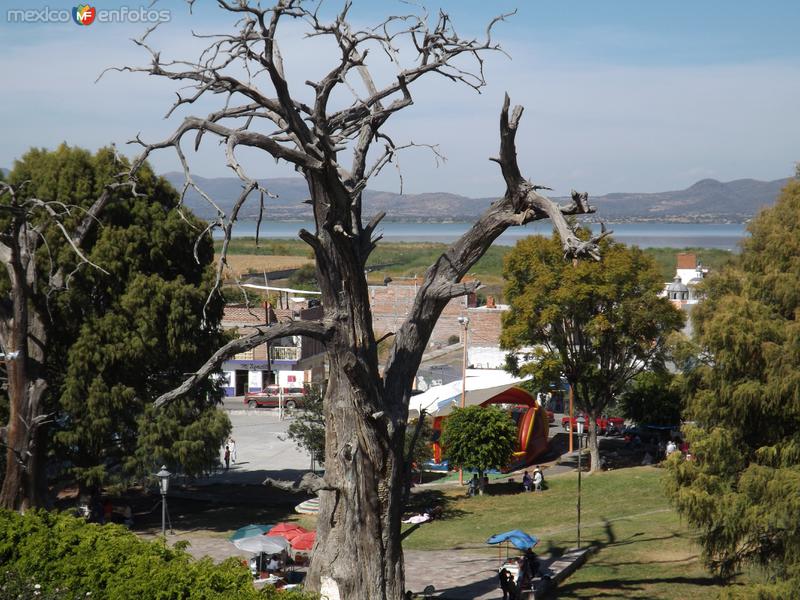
(645, 235)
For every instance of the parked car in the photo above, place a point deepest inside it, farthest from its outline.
(269, 397)
(604, 423)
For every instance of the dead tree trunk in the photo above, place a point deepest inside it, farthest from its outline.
(23, 335)
(24, 478)
(358, 555)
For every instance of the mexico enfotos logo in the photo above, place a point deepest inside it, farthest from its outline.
(86, 14)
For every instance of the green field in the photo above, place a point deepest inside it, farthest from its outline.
(644, 550)
(407, 259)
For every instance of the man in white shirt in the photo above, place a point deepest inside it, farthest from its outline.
(538, 479)
(671, 447)
(273, 564)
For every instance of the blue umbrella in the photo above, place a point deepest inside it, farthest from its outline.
(519, 539)
(249, 531)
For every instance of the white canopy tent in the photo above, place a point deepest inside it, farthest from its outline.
(481, 384)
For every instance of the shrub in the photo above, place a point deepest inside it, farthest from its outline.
(69, 559)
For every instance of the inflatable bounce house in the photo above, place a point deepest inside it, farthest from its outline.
(486, 389)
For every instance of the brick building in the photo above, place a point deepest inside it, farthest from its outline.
(296, 360)
(293, 360)
(391, 303)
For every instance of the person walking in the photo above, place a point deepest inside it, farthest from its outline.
(232, 446)
(227, 457)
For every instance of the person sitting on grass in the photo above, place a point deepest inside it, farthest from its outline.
(527, 482)
(472, 488)
(538, 479)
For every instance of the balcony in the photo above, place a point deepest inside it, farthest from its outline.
(284, 353)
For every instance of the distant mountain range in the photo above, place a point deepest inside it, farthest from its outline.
(707, 201)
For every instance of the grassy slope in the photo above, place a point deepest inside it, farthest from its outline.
(644, 549)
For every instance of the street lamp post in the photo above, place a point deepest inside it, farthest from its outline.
(163, 482)
(464, 320)
(579, 427)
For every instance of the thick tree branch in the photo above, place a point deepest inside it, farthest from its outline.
(309, 483)
(319, 330)
(521, 204)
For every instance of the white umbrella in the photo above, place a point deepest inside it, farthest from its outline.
(262, 543)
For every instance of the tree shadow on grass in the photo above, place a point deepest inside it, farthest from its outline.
(616, 586)
(216, 508)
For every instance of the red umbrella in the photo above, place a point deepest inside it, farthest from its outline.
(304, 541)
(288, 531)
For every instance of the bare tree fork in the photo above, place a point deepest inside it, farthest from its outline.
(24, 322)
(318, 330)
(337, 146)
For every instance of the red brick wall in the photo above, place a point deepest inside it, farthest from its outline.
(391, 303)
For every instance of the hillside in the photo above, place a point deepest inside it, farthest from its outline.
(707, 201)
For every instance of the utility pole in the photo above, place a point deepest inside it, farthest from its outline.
(464, 320)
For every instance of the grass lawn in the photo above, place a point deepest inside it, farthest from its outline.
(644, 549)
(407, 259)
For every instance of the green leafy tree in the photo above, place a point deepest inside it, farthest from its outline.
(741, 488)
(653, 397)
(122, 333)
(307, 430)
(479, 437)
(87, 561)
(597, 323)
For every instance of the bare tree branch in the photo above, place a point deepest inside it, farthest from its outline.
(319, 330)
(521, 204)
(309, 483)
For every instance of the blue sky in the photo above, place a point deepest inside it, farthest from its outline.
(619, 95)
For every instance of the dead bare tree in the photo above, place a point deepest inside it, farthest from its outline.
(358, 553)
(24, 324)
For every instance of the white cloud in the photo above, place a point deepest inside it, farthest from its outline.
(587, 125)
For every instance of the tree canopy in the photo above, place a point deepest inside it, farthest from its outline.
(741, 487)
(479, 437)
(653, 397)
(120, 336)
(597, 323)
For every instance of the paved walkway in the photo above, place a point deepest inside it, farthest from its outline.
(456, 574)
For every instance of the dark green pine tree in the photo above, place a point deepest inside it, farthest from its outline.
(119, 339)
(742, 488)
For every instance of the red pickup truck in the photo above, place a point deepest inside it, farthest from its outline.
(269, 397)
(605, 424)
